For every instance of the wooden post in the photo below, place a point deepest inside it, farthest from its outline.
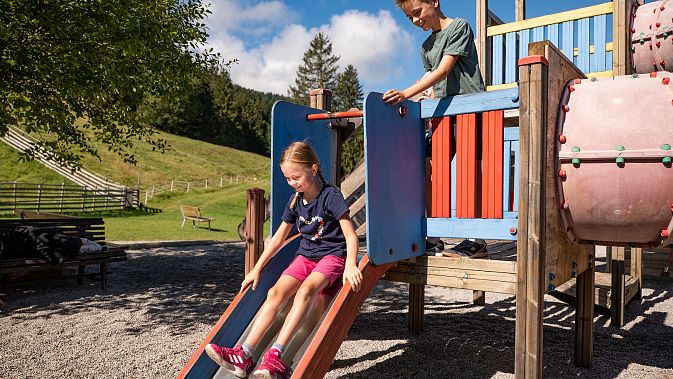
(206, 183)
(321, 98)
(637, 269)
(531, 235)
(621, 30)
(519, 10)
(39, 196)
(478, 297)
(416, 307)
(481, 41)
(584, 317)
(254, 226)
(60, 208)
(617, 300)
(14, 202)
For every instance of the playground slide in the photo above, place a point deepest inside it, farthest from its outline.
(315, 359)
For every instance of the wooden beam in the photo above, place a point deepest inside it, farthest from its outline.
(254, 227)
(621, 31)
(584, 318)
(478, 297)
(416, 307)
(531, 242)
(637, 269)
(557, 18)
(617, 302)
(520, 10)
(482, 41)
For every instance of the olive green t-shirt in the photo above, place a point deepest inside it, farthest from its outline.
(458, 40)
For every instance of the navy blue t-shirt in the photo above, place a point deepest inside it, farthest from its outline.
(318, 223)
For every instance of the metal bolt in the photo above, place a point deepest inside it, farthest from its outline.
(552, 276)
(562, 173)
(551, 287)
(512, 230)
(634, 74)
(414, 247)
(565, 108)
(571, 88)
(665, 81)
(562, 138)
(594, 79)
(664, 233)
(565, 205)
(403, 111)
(658, 24)
(574, 264)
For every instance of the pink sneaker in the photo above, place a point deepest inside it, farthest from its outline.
(233, 360)
(272, 367)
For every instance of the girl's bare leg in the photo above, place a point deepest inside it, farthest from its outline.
(315, 313)
(275, 300)
(303, 300)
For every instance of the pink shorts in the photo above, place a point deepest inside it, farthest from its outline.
(331, 266)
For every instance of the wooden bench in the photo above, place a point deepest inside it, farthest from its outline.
(194, 214)
(90, 228)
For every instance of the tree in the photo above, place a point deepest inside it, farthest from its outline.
(348, 91)
(348, 95)
(318, 70)
(74, 72)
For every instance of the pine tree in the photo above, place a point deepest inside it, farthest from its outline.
(348, 91)
(318, 70)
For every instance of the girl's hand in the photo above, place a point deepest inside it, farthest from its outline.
(251, 278)
(353, 276)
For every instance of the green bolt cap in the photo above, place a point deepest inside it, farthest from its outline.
(576, 149)
(620, 148)
(619, 160)
(666, 147)
(666, 160)
(576, 161)
(642, 41)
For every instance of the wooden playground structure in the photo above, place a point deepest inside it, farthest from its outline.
(505, 164)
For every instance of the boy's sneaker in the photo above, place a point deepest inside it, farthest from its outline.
(272, 367)
(469, 248)
(233, 360)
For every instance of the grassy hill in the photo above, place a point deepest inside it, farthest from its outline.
(28, 172)
(186, 160)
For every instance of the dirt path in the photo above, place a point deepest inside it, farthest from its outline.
(163, 301)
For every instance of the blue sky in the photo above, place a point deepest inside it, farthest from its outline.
(269, 37)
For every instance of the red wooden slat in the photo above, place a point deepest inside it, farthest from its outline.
(446, 166)
(466, 135)
(492, 155)
(441, 167)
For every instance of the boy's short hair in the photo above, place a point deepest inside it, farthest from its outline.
(399, 3)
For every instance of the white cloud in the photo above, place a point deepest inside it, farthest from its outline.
(378, 48)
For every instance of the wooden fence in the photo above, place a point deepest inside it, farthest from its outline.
(188, 185)
(64, 198)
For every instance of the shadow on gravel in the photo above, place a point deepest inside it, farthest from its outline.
(478, 342)
(187, 286)
(181, 287)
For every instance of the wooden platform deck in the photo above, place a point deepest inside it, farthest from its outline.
(603, 291)
(495, 272)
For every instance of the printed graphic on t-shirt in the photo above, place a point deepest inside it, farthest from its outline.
(321, 224)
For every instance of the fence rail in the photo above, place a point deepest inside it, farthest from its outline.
(64, 198)
(189, 185)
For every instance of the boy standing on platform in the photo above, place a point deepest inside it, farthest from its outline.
(452, 68)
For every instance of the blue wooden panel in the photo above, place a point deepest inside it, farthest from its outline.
(511, 58)
(485, 228)
(471, 103)
(600, 39)
(289, 124)
(608, 59)
(583, 44)
(552, 34)
(394, 180)
(511, 134)
(506, 152)
(538, 34)
(497, 66)
(524, 39)
(238, 321)
(515, 149)
(568, 40)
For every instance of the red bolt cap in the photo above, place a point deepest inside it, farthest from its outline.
(664, 233)
(633, 30)
(663, 63)
(650, 45)
(566, 108)
(658, 43)
(512, 230)
(578, 81)
(650, 26)
(562, 173)
(414, 247)
(565, 205)
(571, 88)
(658, 24)
(665, 81)
(661, 8)
(562, 138)
(653, 74)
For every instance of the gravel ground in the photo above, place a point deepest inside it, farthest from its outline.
(163, 301)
